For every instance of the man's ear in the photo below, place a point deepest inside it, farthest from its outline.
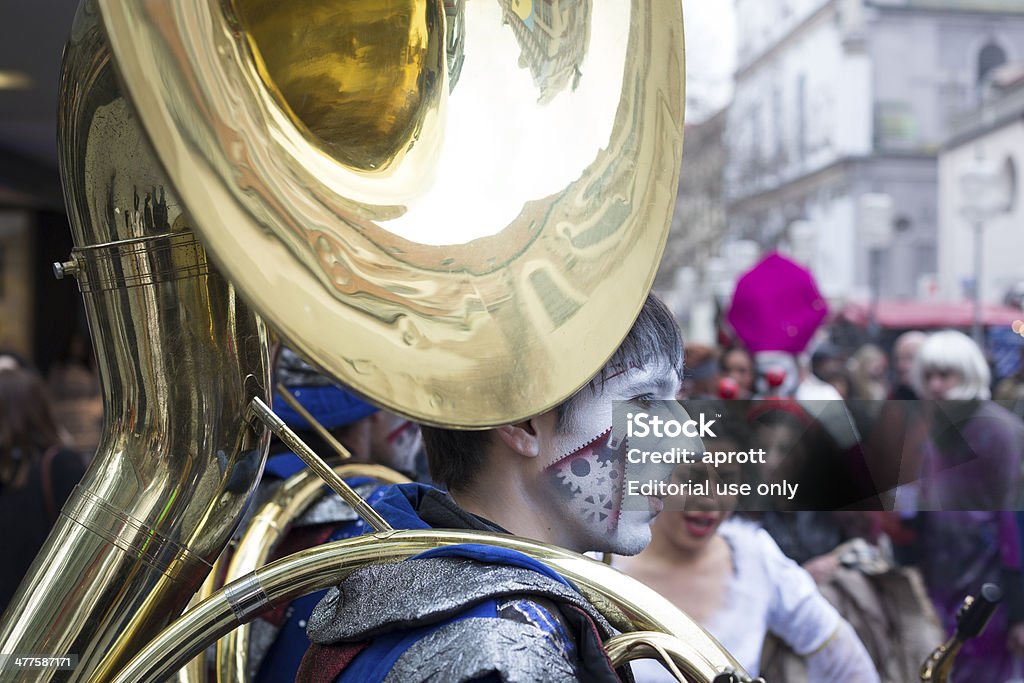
(521, 437)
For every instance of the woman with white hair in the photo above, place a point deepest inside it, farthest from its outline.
(950, 366)
(971, 486)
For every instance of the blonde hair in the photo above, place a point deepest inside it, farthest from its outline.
(866, 385)
(954, 352)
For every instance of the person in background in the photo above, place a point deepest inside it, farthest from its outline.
(1010, 390)
(701, 374)
(894, 432)
(37, 473)
(827, 366)
(970, 487)
(738, 365)
(371, 435)
(75, 387)
(777, 374)
(868, 370)
(731, 577)
(903, 353)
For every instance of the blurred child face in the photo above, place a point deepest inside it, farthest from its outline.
(739, 367)
(784, 452)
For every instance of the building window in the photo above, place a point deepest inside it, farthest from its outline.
(990, 58)
(896, 125)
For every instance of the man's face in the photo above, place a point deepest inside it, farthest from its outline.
(905, 352)
(583, 471)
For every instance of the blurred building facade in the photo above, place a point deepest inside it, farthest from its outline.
(837, 99)
(993, 135)
(686, 277)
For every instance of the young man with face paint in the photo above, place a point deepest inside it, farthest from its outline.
(485, 613)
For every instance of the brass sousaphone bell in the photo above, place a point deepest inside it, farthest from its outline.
(456, 208)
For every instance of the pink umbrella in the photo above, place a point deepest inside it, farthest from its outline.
(777, 306)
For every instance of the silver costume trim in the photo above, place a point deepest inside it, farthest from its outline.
(382, 597)
(471, 648)
(331, 509)
(550, 624)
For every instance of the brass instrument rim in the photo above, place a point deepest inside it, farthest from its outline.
(634, 645)
(458, 342)
(265, 530)
(326, 565)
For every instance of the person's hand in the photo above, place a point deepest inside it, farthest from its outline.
(822, 567)
(1015, 640)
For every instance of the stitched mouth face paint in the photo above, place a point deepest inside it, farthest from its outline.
(587, 470)
(591, 480)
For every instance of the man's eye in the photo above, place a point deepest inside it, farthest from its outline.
(644, 401)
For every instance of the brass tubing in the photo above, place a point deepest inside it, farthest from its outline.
(628, 604)
(675, 654)
(324, 433)
(282, 431)
(179, 358)
(266, 529)
(196, 670)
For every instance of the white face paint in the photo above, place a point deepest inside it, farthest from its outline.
(586, 473)
(395, 442)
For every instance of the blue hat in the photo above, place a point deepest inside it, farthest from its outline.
(329, 404)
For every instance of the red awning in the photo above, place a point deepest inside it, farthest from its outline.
(900, 315)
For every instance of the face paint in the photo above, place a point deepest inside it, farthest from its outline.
(586, 471)
(591, 482)
(396, 443)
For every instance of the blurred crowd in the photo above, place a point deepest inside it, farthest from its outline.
(940, 443)
(766, 583)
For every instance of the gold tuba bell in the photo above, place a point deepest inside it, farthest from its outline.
(456, 208)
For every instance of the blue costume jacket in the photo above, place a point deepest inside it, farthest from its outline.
(458, 613)
(278, 640)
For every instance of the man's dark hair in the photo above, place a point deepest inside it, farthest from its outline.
(456, 456)
(822, 356)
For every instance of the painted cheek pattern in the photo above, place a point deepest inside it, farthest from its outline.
(590, 478)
